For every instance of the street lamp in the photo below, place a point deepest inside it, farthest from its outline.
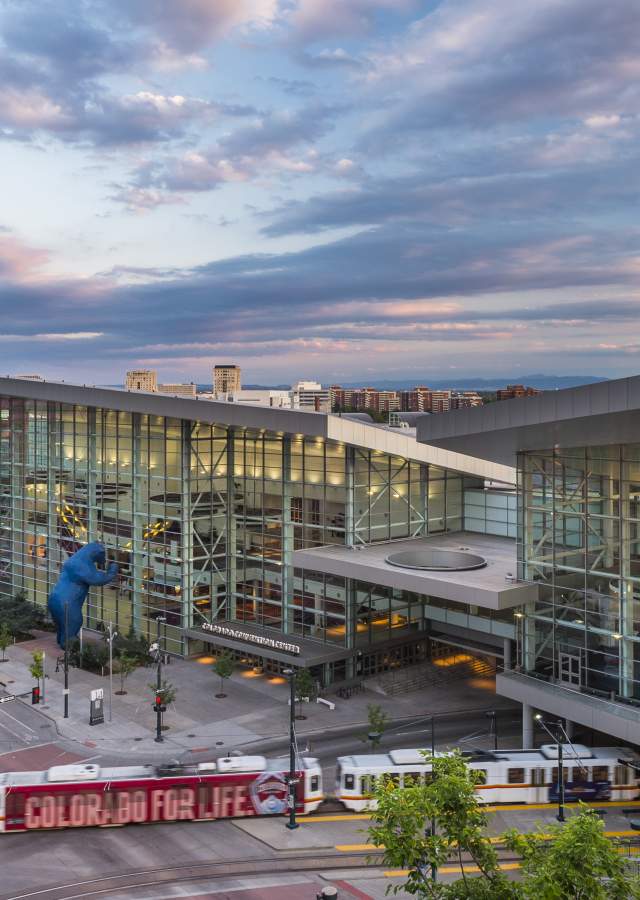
(158, 738)
(493, 727)
(558, 738)
(112, 635)
(290, 674)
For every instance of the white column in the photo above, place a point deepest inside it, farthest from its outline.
(568, 727)
(527, 727)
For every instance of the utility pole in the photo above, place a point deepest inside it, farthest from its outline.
(158, 738)
(292, 748)
(558, 738)
(66, 660)
(434, 870)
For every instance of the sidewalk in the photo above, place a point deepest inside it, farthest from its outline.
(255, 709)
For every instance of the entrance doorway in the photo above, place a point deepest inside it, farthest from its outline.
(569, 670)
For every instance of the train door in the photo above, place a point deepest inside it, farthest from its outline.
(539, 791)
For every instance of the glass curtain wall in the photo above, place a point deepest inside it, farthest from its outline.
(579, 537)
(203, 519)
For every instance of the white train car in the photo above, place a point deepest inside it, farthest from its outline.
(506, 776)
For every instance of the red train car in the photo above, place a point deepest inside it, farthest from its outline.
(86, 795)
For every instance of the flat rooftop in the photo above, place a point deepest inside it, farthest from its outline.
(487, 587)
(592, 415)
(242, 415)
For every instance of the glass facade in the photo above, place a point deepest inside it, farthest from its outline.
(579, 538)
(203, 520)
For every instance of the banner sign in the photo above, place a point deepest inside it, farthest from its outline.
(239, 635)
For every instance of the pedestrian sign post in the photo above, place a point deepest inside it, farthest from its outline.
(96, 712)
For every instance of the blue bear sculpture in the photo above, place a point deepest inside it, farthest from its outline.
(78, 573)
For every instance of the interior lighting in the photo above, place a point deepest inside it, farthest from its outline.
(616, 636)
(519, 615)
(206, 660)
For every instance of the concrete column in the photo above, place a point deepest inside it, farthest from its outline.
(507, 654)
(527, 727)
(568, 727)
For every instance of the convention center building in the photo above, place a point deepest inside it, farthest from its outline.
(290, 537)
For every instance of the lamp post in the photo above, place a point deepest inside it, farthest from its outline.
(290, 674)
(158, 738)
(557, 737)
(493, 727)
(66, 660)
(112, 634)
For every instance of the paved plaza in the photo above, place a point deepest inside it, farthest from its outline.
(255, 710)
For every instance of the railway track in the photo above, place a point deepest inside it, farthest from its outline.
(128, 883)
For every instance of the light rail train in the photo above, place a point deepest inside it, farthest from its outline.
(509, 776)
(85, 795)
(77, 796)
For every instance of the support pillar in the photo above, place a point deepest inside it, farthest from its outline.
(568, 727)
(527, 727)
(507, 654)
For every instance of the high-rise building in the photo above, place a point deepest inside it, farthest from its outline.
(142, 380)
(512, 391)
(310, 395)
(226, 381)
(440, 401)
(416, 400)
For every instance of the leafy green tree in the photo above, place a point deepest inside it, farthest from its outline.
(134, 645)
(578, 863)
(224, 667)
(125, 666)
(378, 720)
(20, 615)
(305, 688)
(401, 824)
(168, 691)
(36, 667)
(6, 638)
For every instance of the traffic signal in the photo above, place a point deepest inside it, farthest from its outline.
(158, 705)
(35, 695)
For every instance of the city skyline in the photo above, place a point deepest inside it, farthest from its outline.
(329, 190)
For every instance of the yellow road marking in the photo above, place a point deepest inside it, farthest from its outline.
(350, 848)
(506, 807)
(347, 848)
(451, 870)
(353, 817)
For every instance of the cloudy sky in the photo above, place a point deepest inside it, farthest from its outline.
(337, 189)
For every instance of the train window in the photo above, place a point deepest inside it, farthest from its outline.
(315, 783)
(367, 785)
(349, 782)
(411, 778)
(601, 773)
(394, 778)
(428, 777)
(481, 776)
(621, 775)
(554, 774)
(537, 777)
(515, 776)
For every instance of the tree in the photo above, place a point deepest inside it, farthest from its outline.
(305, 688)
(401, 824)
(125, 666)
(578, 863)
(37, 665)
(224, 667)
(378, 720)
(6, 638)
(19, 615)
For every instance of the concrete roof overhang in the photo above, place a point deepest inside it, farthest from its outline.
(290, 421)
(488, 587)
(592, 415)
